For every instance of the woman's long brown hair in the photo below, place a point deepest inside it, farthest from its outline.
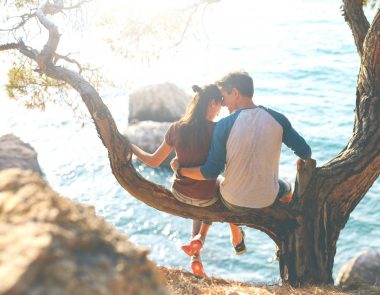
(192, 126)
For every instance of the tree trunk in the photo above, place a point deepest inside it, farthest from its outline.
(307, 252)
(306, 231)
(333, 191)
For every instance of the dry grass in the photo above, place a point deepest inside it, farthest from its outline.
(182, 282)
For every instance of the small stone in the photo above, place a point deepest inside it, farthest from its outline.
(363, 269)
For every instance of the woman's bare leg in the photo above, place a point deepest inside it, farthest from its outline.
(196, 227)
(204, 230)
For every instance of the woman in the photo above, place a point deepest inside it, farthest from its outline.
(190, 137)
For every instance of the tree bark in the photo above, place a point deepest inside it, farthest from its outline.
(355, 17)
(306, 231)
(335, 189)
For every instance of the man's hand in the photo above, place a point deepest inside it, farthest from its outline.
(300, 163)
(190, 172)
(174, 164)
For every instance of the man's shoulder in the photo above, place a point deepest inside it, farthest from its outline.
(279, 117)
(228, 120)
(224, 125)
(271, 111)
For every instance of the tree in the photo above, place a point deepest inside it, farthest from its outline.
(306, 232)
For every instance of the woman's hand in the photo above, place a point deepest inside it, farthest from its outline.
(174, 164)
(133, 149)
(155, 159)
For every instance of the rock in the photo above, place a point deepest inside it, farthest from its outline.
(52, 245)
(363, 269)
(16, 153)
(161, 103)
(148, 135)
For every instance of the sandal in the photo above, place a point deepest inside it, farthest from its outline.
(194, 246)
(197, 266)
(240, 248)
(287, 198)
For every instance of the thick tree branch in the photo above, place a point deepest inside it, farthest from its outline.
(359, 162)
(275, 220)
(46, 55)
(354, 15)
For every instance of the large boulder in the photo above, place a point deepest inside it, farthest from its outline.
(363, 269)
(16, 153)
(148, 135)
(161, 103)
(52, 245)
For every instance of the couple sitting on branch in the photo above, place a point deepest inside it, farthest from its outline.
(246, 145)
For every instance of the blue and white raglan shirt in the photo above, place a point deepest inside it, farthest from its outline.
(247, 145)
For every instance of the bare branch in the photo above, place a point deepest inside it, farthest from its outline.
(57, 57)
(194, 8)
(27, 51)
(24, 18)
(186, 27)
(57, 6)
(9, 46)
(78, 5)
(354, 15)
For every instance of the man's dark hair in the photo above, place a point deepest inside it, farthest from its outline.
(239, 80)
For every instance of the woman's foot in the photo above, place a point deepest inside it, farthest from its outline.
(194, 246)
(197, 266)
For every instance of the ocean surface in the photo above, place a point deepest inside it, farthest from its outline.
(304, 64)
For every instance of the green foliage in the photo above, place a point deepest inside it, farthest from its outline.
(372, 3)
(17, 82)
(34, 89)
(37, 91)
(23, 3)
(27, 85)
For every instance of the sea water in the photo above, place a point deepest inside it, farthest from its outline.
(304, 63)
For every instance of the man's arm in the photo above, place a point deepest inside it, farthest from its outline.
(192, 172)
(290, 136)
(297, 143)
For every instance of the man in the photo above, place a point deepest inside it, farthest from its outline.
(247, 145)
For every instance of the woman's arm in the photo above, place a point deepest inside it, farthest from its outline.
(155, 159)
